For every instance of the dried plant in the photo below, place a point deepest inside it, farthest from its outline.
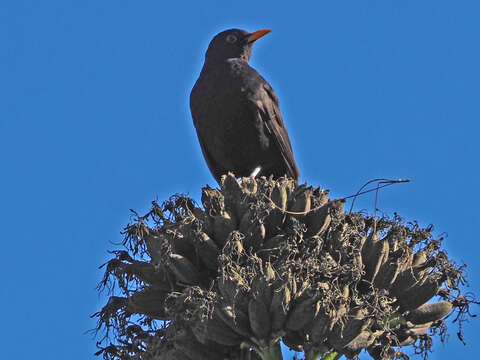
(267, 260)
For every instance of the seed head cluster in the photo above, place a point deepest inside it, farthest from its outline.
(267, 260)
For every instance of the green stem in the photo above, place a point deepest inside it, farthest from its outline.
(395, 319)
(334, 356)
(322, 353)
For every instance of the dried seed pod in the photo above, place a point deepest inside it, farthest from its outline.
(357, 261)
(261, 290)
(274, 223)
(335, 240)
(155, 242)
(276, 217)
(183, 269)
(290, 186)
(417, 330)
(214, 329)
(229, 289)
(221, 333)
(114, 304)
(234, 318)
(206, 224)
(223, 225)
(274, 242)
(328, 259)
(341, 335)
(199, 214)
(377, 256)
(306, 285)
(230, 185)
(318, 220)
(294, 340)
(292, 284)
(387, 274)
(369, 245)
(320, 197)
(279, 196)
(257, 233)
(302, 201)
(397, 236)
(419, 258)
(360, 342)
(195, 350)
(237, 193)
(207, 250)
(143, 271)
(269, 272)
(279, 307)
(173, 354)
(418, 294)
(380, 352)
(213, 201)
(406, 279)
(246, 221)
(301, 314)
(249, 186)
(259, 317)
(150, 302)
(429, 312)
(338, 316)
(409, 340)
(252, 229)
(320, 328)
(406, 260)
(181, 241)
(235, 241)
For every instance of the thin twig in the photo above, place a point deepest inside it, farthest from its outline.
(383, 182)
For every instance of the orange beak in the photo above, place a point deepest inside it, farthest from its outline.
(258, 34)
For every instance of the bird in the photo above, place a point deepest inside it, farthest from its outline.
(236, 112)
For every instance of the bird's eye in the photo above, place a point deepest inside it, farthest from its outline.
(231, 39)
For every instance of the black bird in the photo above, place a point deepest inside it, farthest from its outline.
(236, 112)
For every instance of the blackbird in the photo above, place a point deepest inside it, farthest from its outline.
(236, 112)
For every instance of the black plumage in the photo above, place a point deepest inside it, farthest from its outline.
(236, 112)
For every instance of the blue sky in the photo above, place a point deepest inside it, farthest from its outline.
(94, 120)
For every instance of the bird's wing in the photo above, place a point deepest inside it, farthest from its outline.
(215, 168)
(203, 134)
(266, 103)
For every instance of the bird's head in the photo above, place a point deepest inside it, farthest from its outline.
(233, 43)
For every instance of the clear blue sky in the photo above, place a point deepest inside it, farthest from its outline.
(94, 120)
